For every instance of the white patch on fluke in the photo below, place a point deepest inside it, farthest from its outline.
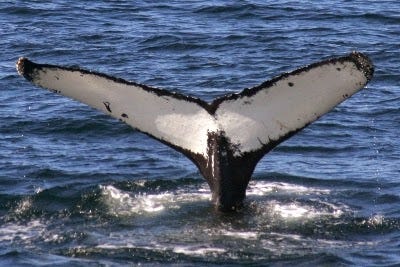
(195, 125)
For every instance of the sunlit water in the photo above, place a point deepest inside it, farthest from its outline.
(80, 189)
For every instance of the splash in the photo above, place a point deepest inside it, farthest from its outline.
(198, 250)
(24, 233)
(122, 203)
(262, 188)
(299, 210)
(246, 235)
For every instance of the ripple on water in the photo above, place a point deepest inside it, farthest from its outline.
(280, 221)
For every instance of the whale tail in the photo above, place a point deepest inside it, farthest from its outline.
(226, 138)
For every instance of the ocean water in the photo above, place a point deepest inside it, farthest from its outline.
(80, 189)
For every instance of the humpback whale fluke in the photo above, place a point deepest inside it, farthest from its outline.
(227, 137)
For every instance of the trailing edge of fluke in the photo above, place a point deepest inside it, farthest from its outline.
(226, 138)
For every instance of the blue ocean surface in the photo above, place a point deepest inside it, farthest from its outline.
(78, 188)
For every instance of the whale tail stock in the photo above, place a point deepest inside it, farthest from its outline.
(226, 138)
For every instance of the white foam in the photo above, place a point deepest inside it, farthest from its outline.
(242, 235)
(198, 250)
(24, 232)
(124, 203)
(375, 220)
(293, 210)
(23, 206)
(262, 188)
(296, 210)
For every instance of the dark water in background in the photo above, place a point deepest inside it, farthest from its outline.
(78, 188)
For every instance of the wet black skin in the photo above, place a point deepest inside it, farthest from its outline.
(228, 173)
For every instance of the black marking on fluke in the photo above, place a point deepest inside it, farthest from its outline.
(107, 105)
(226, 169)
